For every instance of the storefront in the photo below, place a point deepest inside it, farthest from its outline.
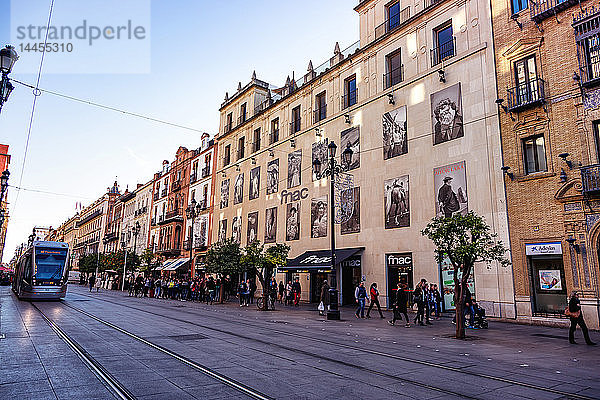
(399, 269)
(314, 267)
(447, 289)
(547, 271)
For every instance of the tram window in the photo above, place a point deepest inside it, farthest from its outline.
(27, 269)
(50, 266)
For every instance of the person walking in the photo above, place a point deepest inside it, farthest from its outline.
(400, 303)
(252, 287)
(98, 284)
(281, 291)
(361, 297)
(576, 316)
(296, 291)
(325, 297)
(288, 293)
(419, 298)
(374, 293)
(242, 292)
(437, 301)
(92, 281)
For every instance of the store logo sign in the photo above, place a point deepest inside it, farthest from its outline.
(538, 249)
(398, 260)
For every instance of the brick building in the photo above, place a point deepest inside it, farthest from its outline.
(548, 74)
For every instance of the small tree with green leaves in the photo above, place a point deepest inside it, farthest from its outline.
(147, 261)
(464, 240)
(223, 258)
(263, 262)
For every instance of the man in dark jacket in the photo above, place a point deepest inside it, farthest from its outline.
(92, 281)
(400, 303)
(325, 297)
(576, 317)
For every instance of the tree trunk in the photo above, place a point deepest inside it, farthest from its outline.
(222, 290)
(459, 294)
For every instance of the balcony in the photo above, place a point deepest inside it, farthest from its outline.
(542, 9)
(226, 160)
(350, 98)
(295, 125)
(274, 136)
(110, 236)
(526, 95)
(443, 52)
(170, 252)
(205, 172)
(175, 186)
(164, 192)
(193, 177)
(590, 179)
(89, 217)
(320, 114)
(173, 215)
(156, 196)
(394, 22)
(203, 204)
(228, 127)
(393, 77)
(241, 119)
(240, 154)
(161, 218)
(256, 145)
(153, 221)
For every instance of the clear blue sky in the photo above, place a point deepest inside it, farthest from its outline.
(199, 50)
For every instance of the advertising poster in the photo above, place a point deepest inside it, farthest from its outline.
(294, 168)
(254, 183)
(252, 227)
(448, 285)
(271, 225)
(450, 183)
(550, 279)
(318, 217)
(350, 138)
(273, 176)
(352, 225)
(395, 141)
(397, 209)
(225, 193)
(238, 189)
(319, 152)
(446, 113)
(292, 226)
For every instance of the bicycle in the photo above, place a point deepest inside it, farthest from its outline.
(260, 302)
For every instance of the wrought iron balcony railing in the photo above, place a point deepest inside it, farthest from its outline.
(156, 196)
(228, 127)
(274, 136)
(590, 179)
(542, 9)
(320, 113)
(393, 22)
(164, 192)
(350, 98)
(175, 186)
(205, 172)
(295, 125)
(527, 94)
(393, 77)
(193, 177)
(443, 52)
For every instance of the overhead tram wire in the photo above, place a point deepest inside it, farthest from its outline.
(36, 93)
(50, 193)
(110, 108)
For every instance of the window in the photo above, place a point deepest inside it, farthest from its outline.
(227, 156)
(256, 146)
(444, 42)
(229, 123)
(393, 14)
(243, 113)
(596, 125)
(195, 169)
(534, 152)
(588, 47)
(275, 130)
(526, 78)
(241, 147)
(193, 195)
(350, 91)
(320, 107)
(518, 5)
(394, 69)
(295, 119)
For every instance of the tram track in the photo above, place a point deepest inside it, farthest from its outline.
(115, 387)
(507, 381)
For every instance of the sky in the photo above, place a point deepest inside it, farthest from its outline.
(193, 51)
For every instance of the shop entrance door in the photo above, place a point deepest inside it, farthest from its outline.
(397, 275)
(351, 277)
(316, 282)
(549, 288)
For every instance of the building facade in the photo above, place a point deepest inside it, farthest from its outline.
(415, 101)
(548, 76)
(141, 214)
(4, 161)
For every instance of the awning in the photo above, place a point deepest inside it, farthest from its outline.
(318, 260)
(164, 265)
(178, 263)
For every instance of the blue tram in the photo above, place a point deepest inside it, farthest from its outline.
(41, 271)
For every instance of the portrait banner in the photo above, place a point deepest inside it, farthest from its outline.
(450, 183)
(397, 205)
(236, 229)
(350, 138)
(446, 114)
(222, 230)
(225, 193)
(238, 189)
(254, 183)
(252, 234)
(395, 140)
(294, 168)
(343, 204)
(318, 217)
(271, 225)
(352, 224)
(319, 152)
(292, 226)
(273, 176)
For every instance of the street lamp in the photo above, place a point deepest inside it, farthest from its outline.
(136, 231)
(124, 247)
(332, 169)
(192, 211)
(8, 58)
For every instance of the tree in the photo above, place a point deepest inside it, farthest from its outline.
(464, 240)
(147, 260)
(263, 263)
(223, 258)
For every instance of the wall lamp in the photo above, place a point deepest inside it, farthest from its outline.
(347, 119)
(571, 240)
(565, 157)
(318, 132)
(563, 175)
(253, 161)
(391, 98)
(224, 175)
(271, 153)
(237, 167)
(515, 17)
(505, 169)
(442, 75)
(293, 143)
(577, 79)
(500, 102)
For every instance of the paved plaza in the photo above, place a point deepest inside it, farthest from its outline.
(165, 349)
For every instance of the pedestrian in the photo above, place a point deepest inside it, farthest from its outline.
(296, 291)
(281, 291)
(325, 301)
(158, 287)
(92, 281)
(211, 287)
(248, 293)
(98, 283)
(374, 293)
(360, 294)
(252, 287)
(146, 287)
(420, 298)
(437, 301)
(400, 303)
(288, 293)
(574, 313)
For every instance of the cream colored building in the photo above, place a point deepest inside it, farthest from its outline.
(415, 96)
(143, 201)
(159, 205)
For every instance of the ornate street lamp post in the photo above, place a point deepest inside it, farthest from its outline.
(8, 58)
(124, 247)
(332, 169)
(192, 211)
(136, 231)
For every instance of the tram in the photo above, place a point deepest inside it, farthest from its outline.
(41, 271)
